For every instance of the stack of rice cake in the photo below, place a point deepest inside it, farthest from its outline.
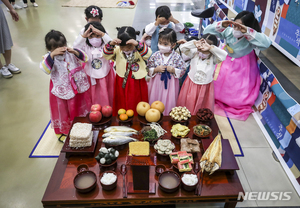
(81, 135)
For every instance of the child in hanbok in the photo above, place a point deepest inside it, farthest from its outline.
(130, 56)
(69, 96)
(237, 80)
(99, 70)
(198, 88)
(163, 19)
(165, 68)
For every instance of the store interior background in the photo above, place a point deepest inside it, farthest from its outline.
(24, 103)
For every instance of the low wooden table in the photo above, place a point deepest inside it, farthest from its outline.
(221, 186)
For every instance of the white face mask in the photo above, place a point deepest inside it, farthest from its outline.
(237, 33)
(127, 52)
(160, 25)
(164, 49)
(148, 42)
(203, 56)
(96, 42)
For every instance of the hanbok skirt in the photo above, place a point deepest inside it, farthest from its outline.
(157, 91)
(135, 91)
(63, 112)
(237, 87)
(103, 91)
(195, 96)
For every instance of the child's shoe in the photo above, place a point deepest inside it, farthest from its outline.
(5, 72)
(25, 5)
(35, 4)
(17, 6)
(13, 69)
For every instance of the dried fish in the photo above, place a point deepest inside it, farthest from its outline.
(212, 157)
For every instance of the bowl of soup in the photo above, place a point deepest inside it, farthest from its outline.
(85, 181)
(169, 181)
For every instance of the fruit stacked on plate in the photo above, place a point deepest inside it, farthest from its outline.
(97, 112)
(151, 112)
(204, 114)
(124, 115)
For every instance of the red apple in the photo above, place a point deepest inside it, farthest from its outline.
(107, 111)
(96, 107)
(95, 116)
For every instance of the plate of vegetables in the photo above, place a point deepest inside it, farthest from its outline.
(107, 157)
(202, 130)
(152, 133)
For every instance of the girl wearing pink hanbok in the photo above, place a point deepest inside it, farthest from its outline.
(165, 68)
(68, 92)
(198, 88)
(237, 80)
(99, 70)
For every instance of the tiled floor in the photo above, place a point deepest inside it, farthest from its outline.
(24, 107)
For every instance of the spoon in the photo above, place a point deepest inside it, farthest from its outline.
(123, 172)
(196, 170)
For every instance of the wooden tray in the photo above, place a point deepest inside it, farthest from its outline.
(88, 151)
(229, 163)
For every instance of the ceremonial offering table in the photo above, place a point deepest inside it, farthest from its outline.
(221, 186)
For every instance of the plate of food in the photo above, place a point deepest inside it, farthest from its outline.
(204, 114)
(179, 131)
(164, 147)
(98, 119)
(152, 133)
(180, 114)
(143, 120)
(202, 131)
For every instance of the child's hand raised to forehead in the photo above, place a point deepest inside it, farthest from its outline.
(204, 45)
(97, 32)
(132, 42)
(240, 27)
(160, 20)
(226, 23)
(115, 41)
(88, 32)
(172, 19)
(58, 51)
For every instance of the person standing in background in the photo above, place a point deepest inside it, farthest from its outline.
(6, 42)
(32, 1)
(13, 3)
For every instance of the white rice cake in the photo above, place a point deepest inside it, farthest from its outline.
(81, 131)
(81, 143)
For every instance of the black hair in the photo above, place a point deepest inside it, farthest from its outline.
(126, 33)
(248, 19)
(168, 34)
(96, 25)
(210, 37)
(55, 39)
(163, 11)
(88, 10)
